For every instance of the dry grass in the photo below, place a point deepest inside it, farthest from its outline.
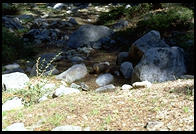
(119, 110)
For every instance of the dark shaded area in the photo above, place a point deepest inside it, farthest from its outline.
(185, 89)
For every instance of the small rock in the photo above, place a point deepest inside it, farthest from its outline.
(16, 127)
(153, 126)
(127, 6)
(101, 67)
(64, 83)
(126, 87)
(73, 21)
(74, 73)
(86, 50)
(28, 69)
(122, 57)
(76, 59)
(84, 86)
(64, 91)
(74, 85)
(69, 12)
(126, 69)
(104, 79)
(59, 6)
(87, 129)
(121, 24)
(48, 86)
(142, 84)
(97, 45)
(43, 98)
(117, 73)
(12, 66)
(106, 88)
(15, 103)
(67, 128)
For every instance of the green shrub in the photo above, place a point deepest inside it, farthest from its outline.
(32, 94)
(13, 47)
(173, 19)
(9, 9)
(117, 13)
(182, 39)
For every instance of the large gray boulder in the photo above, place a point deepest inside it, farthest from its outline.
(74, 73)
(14, 81)
(150, 40)
(159, 65)
(86, 34)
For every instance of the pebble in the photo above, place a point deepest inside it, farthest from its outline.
(106, 88)
(126, 87)
(142, 84)
(153, 126)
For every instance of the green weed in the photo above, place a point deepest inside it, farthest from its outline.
(55, 119)
(186, 109)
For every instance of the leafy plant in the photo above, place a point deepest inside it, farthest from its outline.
(9, 9)
(94, 112)
(55, 119)
(186, 109)
(43, 65)
(32, 93)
